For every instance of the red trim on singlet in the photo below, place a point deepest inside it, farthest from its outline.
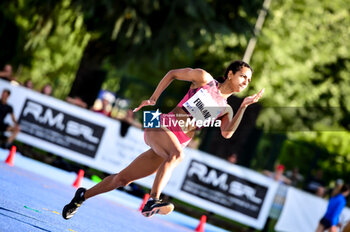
(211, 87)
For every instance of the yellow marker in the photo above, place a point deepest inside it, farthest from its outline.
(71, 230)
(52, 211)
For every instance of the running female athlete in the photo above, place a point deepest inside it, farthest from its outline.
(167, 143)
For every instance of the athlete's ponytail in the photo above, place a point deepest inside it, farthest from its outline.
(221, 79)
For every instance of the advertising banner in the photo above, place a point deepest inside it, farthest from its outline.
(225, 189)
(63, 129)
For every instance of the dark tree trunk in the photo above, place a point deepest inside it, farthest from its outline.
(9, 40)
(90, 75)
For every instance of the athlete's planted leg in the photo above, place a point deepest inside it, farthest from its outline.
(163, 175)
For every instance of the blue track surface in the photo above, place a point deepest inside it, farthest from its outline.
(32, 195)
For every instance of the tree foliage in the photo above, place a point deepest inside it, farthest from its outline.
(328, 151)
(303, 60)
(53, 43)
(137, 38)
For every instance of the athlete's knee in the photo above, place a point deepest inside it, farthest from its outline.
(176, 156)
(120, 180)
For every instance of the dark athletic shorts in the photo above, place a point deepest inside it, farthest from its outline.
(326, 223)
(3, 127)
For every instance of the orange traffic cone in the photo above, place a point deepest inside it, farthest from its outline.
(80, 176)
(200, 227)
(145, 199)
(10, 158)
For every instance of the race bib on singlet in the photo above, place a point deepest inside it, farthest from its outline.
(202, 106)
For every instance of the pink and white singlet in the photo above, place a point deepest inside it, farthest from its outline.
(203, 103)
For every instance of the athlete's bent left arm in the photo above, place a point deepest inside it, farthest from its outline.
(230, 124)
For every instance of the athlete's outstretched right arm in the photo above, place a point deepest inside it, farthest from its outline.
(198, 77)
